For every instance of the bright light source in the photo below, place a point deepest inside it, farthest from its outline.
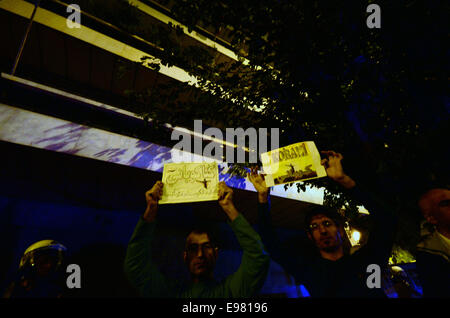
(353, 235)
(356, 235)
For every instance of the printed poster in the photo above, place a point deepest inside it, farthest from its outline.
(297, 162)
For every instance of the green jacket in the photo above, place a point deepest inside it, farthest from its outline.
(144, 275)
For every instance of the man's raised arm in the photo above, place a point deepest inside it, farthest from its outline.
(278, 251)
(379, 245)
(252, 273)
(139, 267)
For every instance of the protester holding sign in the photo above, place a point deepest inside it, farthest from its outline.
(331, 272)
(200, 256)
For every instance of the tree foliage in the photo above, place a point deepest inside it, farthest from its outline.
(318, 73)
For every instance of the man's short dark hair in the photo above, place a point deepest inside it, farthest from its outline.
(200, 229)
(326, 211)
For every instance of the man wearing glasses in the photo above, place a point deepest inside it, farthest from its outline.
(200, 257)
(331, 271)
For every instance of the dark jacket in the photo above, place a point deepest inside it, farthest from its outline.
(433, 266)
(347, 276)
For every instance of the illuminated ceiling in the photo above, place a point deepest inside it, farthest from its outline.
(81, 62)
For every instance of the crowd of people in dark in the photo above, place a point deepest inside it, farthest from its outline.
(332, 271)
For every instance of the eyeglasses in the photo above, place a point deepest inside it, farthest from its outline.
(315, 226)
(193, 248)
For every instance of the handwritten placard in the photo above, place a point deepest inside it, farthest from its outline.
(190, 182)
